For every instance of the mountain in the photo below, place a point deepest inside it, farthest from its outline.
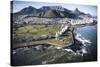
(27, 10)
(58, 8)
(78, 12)
(55, 11)
(56, 14)
(50, 12)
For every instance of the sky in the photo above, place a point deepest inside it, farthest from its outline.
(18, 5)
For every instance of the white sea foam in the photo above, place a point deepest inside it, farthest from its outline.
(58, 47)
(68, 50)
(84, 50)
(82, 39)
(85, 43)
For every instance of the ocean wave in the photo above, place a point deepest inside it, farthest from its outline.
(83, 40)
(85, 43)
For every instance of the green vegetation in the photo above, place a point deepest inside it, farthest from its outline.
(65, 41)
(36, 30)
(29, 31)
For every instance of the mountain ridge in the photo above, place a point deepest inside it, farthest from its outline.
(50, 12)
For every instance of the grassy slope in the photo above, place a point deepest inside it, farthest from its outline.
(36, 30)
(39, 30)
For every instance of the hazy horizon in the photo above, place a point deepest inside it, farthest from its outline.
(19, 5)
